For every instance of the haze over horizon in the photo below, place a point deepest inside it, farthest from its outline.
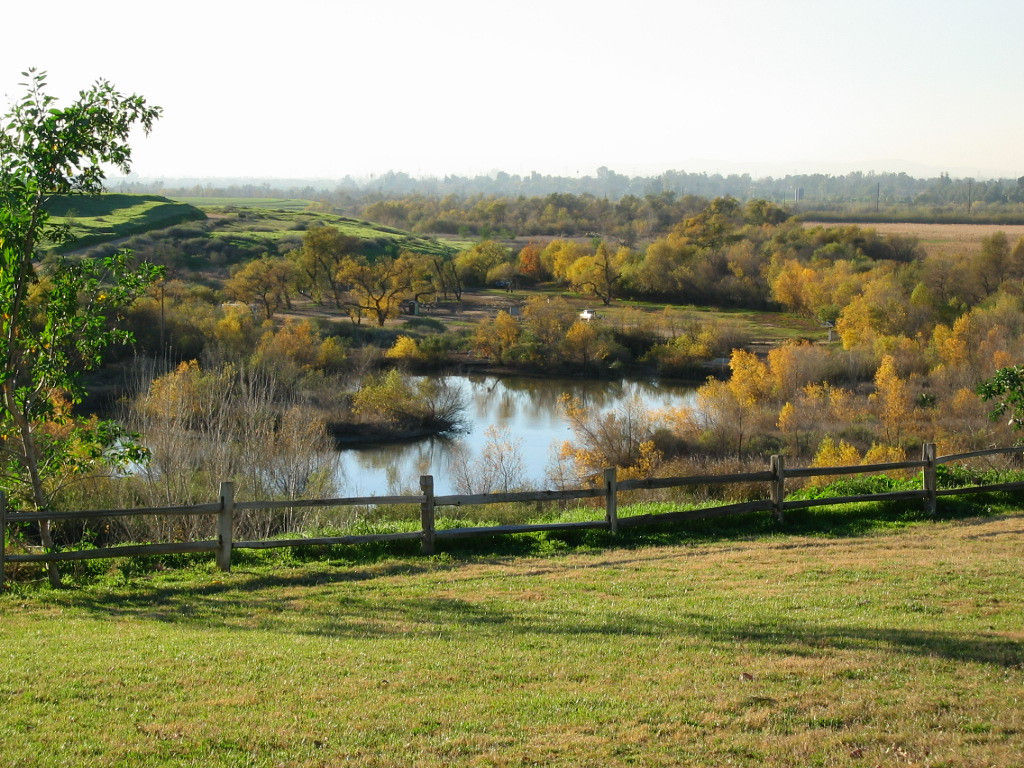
(324, 90)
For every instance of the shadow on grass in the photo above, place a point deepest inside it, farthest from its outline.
(321, 599)
(283, 601)
(280, 604)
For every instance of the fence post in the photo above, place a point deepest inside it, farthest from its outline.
(3, 534)
(225, 519)
(778, 489)
(929, 483)
(427, 514)
(611, 501)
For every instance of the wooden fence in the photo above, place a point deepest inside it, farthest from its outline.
(775, 476)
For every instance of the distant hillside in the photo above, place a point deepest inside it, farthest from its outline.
(281, 229)
(100, 218)
(271, 203)
(225, 231)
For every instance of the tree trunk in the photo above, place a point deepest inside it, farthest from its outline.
(30, 459)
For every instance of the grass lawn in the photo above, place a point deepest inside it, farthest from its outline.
(901, 646)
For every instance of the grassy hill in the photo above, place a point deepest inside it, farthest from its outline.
(267, 227)
(894, 648)
(99, 218)
(249, 230)
(271, 203)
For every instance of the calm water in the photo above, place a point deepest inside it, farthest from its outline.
(526, 407)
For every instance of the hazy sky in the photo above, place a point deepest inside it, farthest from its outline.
(325, 89)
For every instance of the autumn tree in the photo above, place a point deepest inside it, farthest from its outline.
(265, 281)
(583, 343)
(323, 251)
(472, 265)
(52, 330)
(496, 337)
(529, 263)
(893, 401)
(599, 274)
(621, 438)
(380, 287)
(445, 277)
(547, 320)
(559, 255)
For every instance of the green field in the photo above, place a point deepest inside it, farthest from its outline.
(897, 647)
(271, 203)
(99, 218)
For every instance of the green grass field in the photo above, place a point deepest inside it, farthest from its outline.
(271, 203)
(899, 646)
(99, 218)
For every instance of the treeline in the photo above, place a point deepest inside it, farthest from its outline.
(813, 188)
(627, 219)
(722, 255)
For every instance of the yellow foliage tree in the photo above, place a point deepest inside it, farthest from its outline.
(892, 399)
(619, 438)
(495, 338)
(405, 348)
(749, 382)
(582, 342)
(834, 454)
(880, 454)
(855, 325)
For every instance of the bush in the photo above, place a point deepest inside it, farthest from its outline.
(424, 324)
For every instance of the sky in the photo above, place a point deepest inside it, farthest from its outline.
(306, 89)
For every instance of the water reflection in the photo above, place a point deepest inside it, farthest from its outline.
(526, 407)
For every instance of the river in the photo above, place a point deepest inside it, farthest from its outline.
(524, 410)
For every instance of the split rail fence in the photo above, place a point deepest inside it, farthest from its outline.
(775, 476)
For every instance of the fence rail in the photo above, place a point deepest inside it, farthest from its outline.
(775, 476)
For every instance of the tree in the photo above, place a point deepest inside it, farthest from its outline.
(445, 277)
(473, 265)
(496, 338)
(380, 288)
(1006, 388)
(893, 399)
(323, 251)
(265, 281)
(51, 330)
(599, 275)
(582, 342)
(529, 264)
